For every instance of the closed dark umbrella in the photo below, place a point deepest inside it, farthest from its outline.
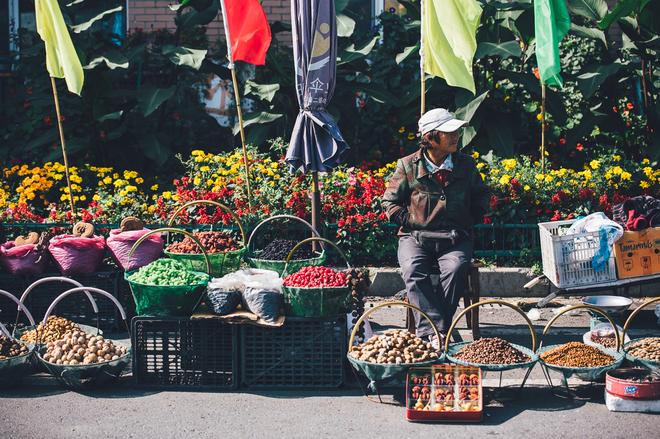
(316, 143)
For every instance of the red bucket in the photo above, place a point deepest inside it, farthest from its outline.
(634, 383)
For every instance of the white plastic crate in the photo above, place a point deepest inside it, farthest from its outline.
(567, 258)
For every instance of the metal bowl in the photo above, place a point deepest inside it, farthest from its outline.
(609, 304)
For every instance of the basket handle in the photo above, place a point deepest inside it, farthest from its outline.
(488, 302)
(269, 219)
(92, 290)
(583, 306)
(174, 230)
(633, 314)
(367, 313)
(21, 307)
(213, 203)
(313, 239)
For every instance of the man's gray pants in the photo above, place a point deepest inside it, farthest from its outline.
(439, 302)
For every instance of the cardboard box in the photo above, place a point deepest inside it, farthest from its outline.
(638, 253)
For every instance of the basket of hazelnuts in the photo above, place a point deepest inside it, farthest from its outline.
(80, 252)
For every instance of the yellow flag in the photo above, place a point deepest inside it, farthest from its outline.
(449, 38)
(61, 57)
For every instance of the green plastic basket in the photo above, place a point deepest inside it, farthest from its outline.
(315, 302)
(252, 256)
(168, 300)
(221, 263)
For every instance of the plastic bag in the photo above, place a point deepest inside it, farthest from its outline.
(601, 330)
(22, 260)
(77, 255)
(120, 244)
(224, 294)
(261, 291)
(608, 232)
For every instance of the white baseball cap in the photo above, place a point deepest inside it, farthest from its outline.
(439, 119)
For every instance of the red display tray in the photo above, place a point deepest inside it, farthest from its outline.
(455, 382)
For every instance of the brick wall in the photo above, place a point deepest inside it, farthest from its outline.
(154, 14)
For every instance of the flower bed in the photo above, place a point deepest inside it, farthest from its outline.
(522, 193)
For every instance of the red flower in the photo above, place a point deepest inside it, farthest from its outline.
(493, 202)
(630, 106)
(556, 216)
(562, 141)
(487, 220)
(614, 109)
(579, 147)
(536, 73)
(585, 194)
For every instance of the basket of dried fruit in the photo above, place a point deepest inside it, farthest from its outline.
(79, 359)
(224, 251)
(168, 287)
(642, 351)
(316, 291)
(25, 255)
(15, 354)
(576, 358)
(391, 354)
(78, 253)
(492, 353)
(273, 256)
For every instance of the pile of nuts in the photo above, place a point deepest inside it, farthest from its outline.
(55, 329)
(608, 341)
(279, 249)
(78, 347)
(491, 351)
(394, 346)
(11, 348)
(647, 348)
(213, 242)
(576, 354)
(316, 277)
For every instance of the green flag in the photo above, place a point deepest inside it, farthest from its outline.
(449, 40)
(551, 24)
(61, 57)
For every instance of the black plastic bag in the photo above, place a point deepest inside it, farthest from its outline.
(222, 301)
(263, 302)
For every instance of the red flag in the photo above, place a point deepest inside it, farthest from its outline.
(248, 30)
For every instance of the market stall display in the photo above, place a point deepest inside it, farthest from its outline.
(75, 358)
(167, 286)
(365, 360)
(642, 351)
(222, 249)
(80, 252)
(359, 283)
(444, 392)
(315, 291)
(15, 354)
(273, 256)
(576, 358)
(120, 241)
(25, 255)
(491, 354)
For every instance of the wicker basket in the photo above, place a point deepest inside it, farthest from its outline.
(567, 259)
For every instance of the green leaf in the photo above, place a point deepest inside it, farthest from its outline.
(199, 18)
(110, 116)
(154, 149)
(261, 117)
(466, 112)
(150, 98)
(265, 92)
(185, 56)
(351, 53)
(591, 9)
(594, 76)
(345, 25)
(509, 49)
(588, 32)
(622, 9)
(87, 24)
(113, 59)
(406, 53)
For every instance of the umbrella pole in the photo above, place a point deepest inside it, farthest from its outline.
(421, 62)
(542, 127)
(63, 144)
(316, 203)
(242, 131)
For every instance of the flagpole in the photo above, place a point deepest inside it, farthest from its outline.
(421, 60)
(542, 127)
(237, 97)
(66, 159)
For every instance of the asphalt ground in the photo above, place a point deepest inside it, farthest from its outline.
(40, 407)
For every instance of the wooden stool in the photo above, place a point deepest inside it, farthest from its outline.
(472, 295)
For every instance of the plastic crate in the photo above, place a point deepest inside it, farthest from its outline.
(179, 353)
(303, 354)
(567, 258)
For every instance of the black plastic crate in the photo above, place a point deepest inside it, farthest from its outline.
(303, 354)
(179, 353)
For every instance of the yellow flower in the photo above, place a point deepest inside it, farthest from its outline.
(475, 155)
(616, 158)
(131, 188)
(197, 152)
(411, 136)
(505, 179)
(120, 183)
(509, 164)
(495, 171)
(96, 197)
(644, 184)
(167, 195)
(107, 180)
(154, 187)
(199, 159)
(139, 180)
(197, 181)
(625, 175)
(646, 161)
(595, 164)
(526, 187)
(480, 165)
(539, 116)
(402, 130)
(205, 168)
(540, 177)
(549, 178)
(83, 198)
(617, 170)
(483, 176)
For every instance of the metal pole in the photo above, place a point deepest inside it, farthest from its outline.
(421, 61)
(237, 97)
(66, 160)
